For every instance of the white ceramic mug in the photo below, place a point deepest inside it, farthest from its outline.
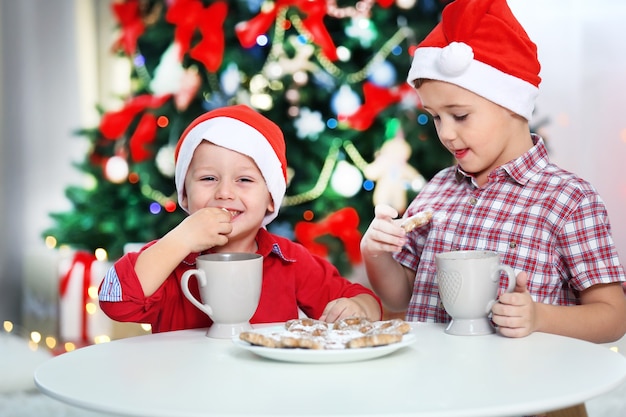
(230, 289)
(468, 286)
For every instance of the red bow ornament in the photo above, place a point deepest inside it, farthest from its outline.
(342, 224)
(114, 125)
(376, 99)
(189, 16)
(132, 26)
(314, 10)
(145, 133)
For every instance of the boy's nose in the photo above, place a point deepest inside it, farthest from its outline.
(446, 132)
(224, 190)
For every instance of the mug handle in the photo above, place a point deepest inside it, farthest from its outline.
(184, 284)
(511, 274)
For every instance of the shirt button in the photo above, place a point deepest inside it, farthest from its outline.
(473, 201)
(512, 245)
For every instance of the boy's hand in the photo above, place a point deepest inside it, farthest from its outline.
(514, 313)
(342, 308)
(205, 229)
(384, 234)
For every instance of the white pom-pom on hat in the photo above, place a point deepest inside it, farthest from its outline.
(455, 58)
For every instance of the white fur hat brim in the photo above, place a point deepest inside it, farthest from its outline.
(232, 133)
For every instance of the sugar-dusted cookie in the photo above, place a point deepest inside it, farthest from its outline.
(416, 220)
(351, 333)
(393, 325)
(374, 339)
(302, 340)
(307, 325)
(360, 324)
(268, 340)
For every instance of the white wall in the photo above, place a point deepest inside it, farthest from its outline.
(583, 92)
(40, 110)
(4, 311)
(55, 66)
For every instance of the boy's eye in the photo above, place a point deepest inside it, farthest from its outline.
(208, 178)
(460, 118)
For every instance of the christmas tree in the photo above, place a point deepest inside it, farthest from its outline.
(331, 74)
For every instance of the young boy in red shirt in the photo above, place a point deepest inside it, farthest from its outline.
(231, 177)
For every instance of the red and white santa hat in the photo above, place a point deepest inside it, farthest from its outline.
(242, 130)
(479, 45)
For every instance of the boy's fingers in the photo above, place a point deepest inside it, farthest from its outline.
(383, 210)
(520, 282)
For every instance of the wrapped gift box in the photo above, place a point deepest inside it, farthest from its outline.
(80, 318)
(60, 299)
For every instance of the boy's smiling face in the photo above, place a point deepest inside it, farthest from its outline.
(222, 178)
(479, 133)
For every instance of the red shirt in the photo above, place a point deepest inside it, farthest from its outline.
(292, 278)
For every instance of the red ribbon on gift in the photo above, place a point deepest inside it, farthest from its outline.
(85, 259)
(189, 16)
(315, 10)
(342, 224)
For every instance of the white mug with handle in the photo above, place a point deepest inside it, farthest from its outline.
(468, 286)
(230, 290)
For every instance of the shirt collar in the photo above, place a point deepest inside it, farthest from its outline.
(521, 169)
(530, 163)
(269, 245)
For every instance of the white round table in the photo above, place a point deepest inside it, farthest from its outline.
(184, 373)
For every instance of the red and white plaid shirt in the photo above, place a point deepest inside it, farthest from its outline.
(540, 219)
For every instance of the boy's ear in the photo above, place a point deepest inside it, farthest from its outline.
(184, 203)
(270, 205)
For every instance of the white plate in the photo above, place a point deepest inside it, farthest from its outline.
(322, 356)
